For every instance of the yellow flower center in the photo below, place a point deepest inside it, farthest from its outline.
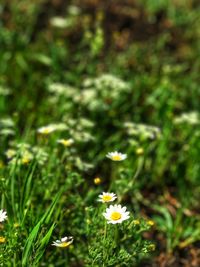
(115, 216)
(106, 198)
(66, 142)
(116, 157)
(25, 160)
(64, 244)
(45, 131)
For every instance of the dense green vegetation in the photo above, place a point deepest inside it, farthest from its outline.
(82, 79)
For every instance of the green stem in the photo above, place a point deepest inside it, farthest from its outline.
(104, 247)
(116, 235)
(114, 173)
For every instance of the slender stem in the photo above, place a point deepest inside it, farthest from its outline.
(116, 234)
(104, 239)
(139, 167)
(114, 173)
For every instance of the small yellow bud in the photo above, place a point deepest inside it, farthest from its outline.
(88, 221)
(97, 180)
(151, 223)
(152, 247)
(25, 160)
(2, 239)
(136, 222)
(139, 151)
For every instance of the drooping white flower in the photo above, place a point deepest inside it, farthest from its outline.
(116, 156)
(3, 215)
(64, 242)
(107, 197)
(116, 214)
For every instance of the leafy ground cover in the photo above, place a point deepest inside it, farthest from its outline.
(78, 81)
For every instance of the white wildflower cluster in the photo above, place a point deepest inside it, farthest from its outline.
(65, 22)
(79, 163)
(107, 81)
(99, 93)
(62, 90)
(4, 91)
(80, 130)
(63, 95)
(24, 153)
(191, 118)
(7, 127)
(59, 22)
(40, 155)
(73, 10)
(142, 131)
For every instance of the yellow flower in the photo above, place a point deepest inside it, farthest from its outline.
(97, 180)
(136, 222)
(10, 153)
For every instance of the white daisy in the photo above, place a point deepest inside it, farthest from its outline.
(116, 156)
(116, 214)
(46, 130)
(64, 242)
(3, 215)
(107, 197)
(65, 142)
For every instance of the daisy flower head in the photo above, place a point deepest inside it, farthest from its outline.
(107, 197)
(116, 214)
(65, 142)
(64, 242)
(3, 215)
(116, 156)
(46, 130)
